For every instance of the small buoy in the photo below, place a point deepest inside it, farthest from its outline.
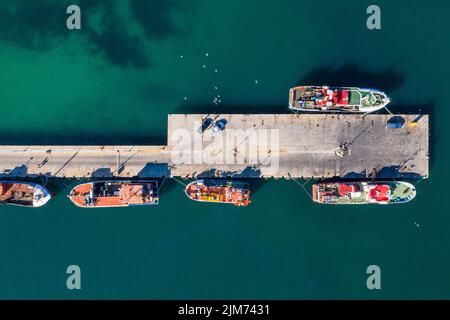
(181, 57)
(215, 70)
(206, 54)
(417, 225)
(256, 81)
(185, 98)
(204, 66)
(216, 87)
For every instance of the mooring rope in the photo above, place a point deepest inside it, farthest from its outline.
(44, 184)
(388, 111)
(184, 184)
(165, 177)
(302, 185)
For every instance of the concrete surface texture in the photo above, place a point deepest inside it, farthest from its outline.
(245, 145)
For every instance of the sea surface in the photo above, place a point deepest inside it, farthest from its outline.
(134, 62)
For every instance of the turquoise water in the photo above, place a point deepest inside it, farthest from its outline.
(134, 62)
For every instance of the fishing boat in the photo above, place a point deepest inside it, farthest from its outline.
(363, 192)
(219, 191)
(337, 99)
(106, 194)
(25, 194)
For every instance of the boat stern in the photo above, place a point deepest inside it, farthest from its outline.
(80, 194)
(314, 193)
(409, 191)
(292, 96)
(40, 196)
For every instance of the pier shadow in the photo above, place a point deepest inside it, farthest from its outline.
(211, 173)
(351, 75)
(247, 173)
(154, 170)
(355, 175)
(102, 173)
(393, 172)
(385, 173)
(20, 171)
(30, 138)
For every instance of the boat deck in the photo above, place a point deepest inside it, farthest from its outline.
(18, 192)
(250, 146)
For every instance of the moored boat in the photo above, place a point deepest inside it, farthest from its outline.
(106, 194)
(219, 191)
(363, 192)
(336, 99)
(25, 194)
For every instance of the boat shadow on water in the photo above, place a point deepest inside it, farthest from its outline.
(390, 173)
(231, 109)
(351, 75)
(214, 173)
(249, 175)
(30, 138)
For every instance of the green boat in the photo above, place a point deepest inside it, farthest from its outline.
(363, 192)
(337, 99)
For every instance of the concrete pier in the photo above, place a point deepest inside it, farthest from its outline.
(83, 161)
(250, 146)
(307, 146)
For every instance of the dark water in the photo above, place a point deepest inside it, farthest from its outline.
(116, 80)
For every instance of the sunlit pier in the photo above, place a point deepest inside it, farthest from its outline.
(247, 146)
(83, 161)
